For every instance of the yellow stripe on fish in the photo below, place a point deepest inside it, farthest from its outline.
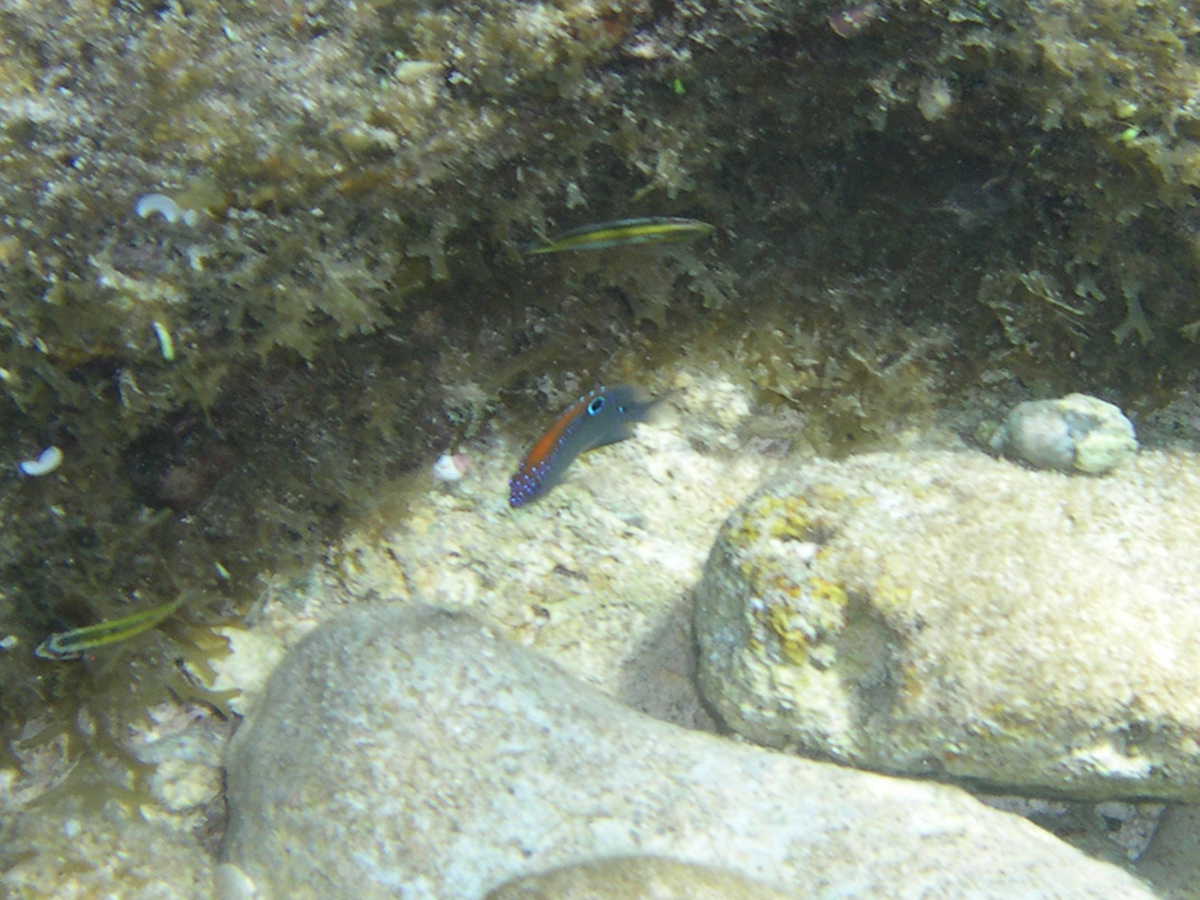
(78, 641)
(623, 232)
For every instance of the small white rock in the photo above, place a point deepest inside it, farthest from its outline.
(451, 466)
(252, 657)
(232, 883)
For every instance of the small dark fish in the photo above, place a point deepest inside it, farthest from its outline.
(623, 232)
(604, 416)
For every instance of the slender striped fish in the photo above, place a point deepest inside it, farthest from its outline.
(78, 641)
(604, 416)
(622, 233)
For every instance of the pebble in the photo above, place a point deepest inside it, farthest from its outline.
(47, 461)
(404, 751)
(1075, 433)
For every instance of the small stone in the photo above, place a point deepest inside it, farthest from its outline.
(1075, 433)
(935, 99)
(180, 784)
(411, 752)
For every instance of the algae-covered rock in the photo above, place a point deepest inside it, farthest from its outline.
(637, 878)
(954, 616)
(413, 752)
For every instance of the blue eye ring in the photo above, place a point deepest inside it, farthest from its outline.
(595, 406)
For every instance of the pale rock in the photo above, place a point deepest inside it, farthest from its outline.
(1075, 433)
(412, 752)
(636, 878)
(244, 669)
(68, 848)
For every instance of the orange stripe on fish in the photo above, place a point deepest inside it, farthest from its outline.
(604, 416)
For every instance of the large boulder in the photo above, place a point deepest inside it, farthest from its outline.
(954, 616)
(411, 752)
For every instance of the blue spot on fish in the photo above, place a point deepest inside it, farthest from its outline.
(604, 416)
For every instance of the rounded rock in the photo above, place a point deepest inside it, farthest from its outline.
(1075, 433)
(967, 620)
(410, 752)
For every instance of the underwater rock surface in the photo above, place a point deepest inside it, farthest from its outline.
(636, 878)
(407, 751)
(72, 851)
(954, 616)
(1169, 863)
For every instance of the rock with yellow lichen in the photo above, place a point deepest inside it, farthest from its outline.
(958, 617)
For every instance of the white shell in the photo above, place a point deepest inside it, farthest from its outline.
(448, 468)
(166, 207)
(48, 460)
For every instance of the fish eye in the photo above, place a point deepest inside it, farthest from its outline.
(595, 406)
